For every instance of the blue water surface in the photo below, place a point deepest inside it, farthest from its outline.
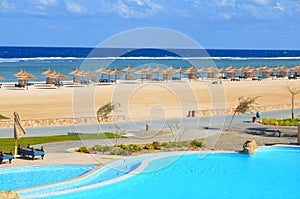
(271, 173)
(25, 177)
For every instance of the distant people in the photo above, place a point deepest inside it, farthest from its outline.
(279, 133)
(258, 115)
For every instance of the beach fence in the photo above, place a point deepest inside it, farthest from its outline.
(67, 121)
(211, 112)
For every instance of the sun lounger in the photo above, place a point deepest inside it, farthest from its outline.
(30, 151)
(6, 156)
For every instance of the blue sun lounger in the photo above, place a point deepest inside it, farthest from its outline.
(6, 156)
(30, 151)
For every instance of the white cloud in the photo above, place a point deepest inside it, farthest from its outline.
(262, 2)
(5, 6)
(130, 8)
(226, 16)
(226, 3)
(279, 7)
(74, 7)
(47, 2)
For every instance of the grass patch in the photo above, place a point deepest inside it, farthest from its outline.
(281, 122)
(7, 144)
(2, 117)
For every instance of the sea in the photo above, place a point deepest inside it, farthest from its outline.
(36, 60)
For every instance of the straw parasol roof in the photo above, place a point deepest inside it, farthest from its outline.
(101, 70)
(180, 70)
(60, 76)
(74, 72)
(283, 68)
(116, 72)
(1, 78)
(171, 70)
(20, 73)
(26, 76)
(47, 72)
(158, 69)
(129, 69)
(248, 69)
(84, 73)
(202, 70)
(143, 71)
(191, 69)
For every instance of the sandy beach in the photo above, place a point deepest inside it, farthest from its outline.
(144, 101)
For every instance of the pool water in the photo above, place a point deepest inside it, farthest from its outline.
(273, 172)
(25, 177)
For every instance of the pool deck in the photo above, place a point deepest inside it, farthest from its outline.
(61, 158)
(59, 153)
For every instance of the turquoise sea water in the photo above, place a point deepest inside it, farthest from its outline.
(25, 177)
(36, 60)
(270, 173)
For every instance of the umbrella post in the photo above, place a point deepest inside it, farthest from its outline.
(16, 149)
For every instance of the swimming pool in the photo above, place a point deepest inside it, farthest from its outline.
(273, 172)
(25, 177)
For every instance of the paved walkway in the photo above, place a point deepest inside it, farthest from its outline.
(206, 128)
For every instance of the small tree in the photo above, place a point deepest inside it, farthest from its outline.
(245, 105)
(294, 91)
(177, 129)
(104, 111)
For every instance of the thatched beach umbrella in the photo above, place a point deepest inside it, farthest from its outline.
(74, 72)
(47, 72)
(168, 72)
(129, 69)
(143, 72)
(180, 70)
(59, 76)
(1, 78)
(157, 70)
(20, 73)
(231, 70)
(211, 71)
(192, 72)
(19, 130)
(23, 79)
(116, 72)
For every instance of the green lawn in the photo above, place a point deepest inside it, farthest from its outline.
(7, 144)
(2, 117)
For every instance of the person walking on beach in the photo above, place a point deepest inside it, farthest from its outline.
(258, 115)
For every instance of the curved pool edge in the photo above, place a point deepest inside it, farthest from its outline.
(144, 163)
(64, 181)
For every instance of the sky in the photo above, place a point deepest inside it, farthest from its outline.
(223, 24)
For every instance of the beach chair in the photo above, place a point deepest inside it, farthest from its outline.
(6, 156)
(30, 151)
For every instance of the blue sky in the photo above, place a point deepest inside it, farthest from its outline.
(252, 24)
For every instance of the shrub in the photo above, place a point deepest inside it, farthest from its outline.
(135, 147)
(273, 121)
(164, 144)
(149, 147)
(83, 149)
(124, 146)
(100, 148)
(156, 145)
(196, 143)
(265, 121)
(119, 151)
